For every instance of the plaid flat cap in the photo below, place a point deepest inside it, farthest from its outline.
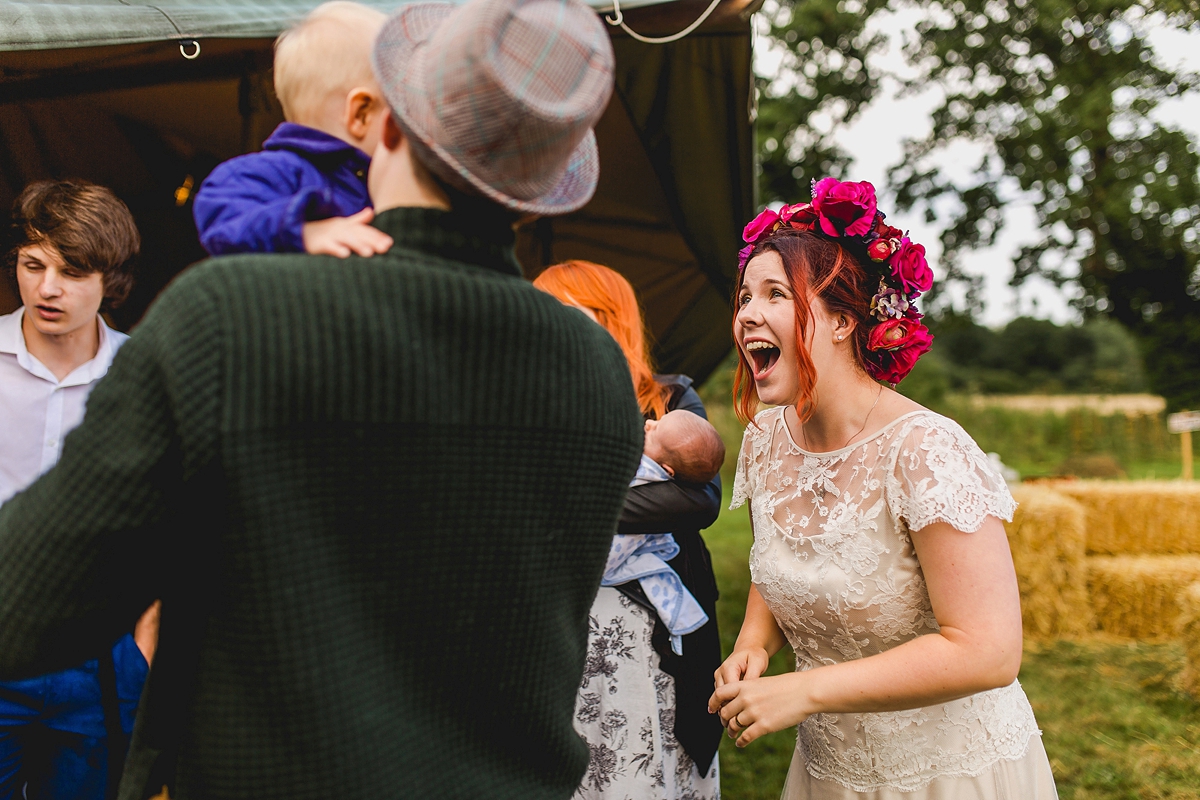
(500, 97)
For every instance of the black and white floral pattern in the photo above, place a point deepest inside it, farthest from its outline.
(626, 711)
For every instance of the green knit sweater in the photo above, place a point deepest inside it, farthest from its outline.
(375, 496)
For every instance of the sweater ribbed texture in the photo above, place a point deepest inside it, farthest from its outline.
(375, 495)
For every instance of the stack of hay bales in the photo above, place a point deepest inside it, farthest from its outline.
(1138, 516)
(1189, 631)
(1143, 546)
(1048, 540)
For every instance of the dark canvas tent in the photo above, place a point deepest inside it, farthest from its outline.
(99, 89)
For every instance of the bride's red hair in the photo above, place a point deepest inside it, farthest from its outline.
(815, 267)
(607, 294)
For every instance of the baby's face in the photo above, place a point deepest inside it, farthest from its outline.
(663, 433)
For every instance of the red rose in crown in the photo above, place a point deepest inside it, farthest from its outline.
(896, 346)
(893, 334)
(801, 216)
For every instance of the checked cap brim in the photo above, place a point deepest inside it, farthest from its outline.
(400, 55)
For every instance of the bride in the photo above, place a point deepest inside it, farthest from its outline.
(879, 554)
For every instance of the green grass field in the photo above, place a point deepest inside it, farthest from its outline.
(1115, 725)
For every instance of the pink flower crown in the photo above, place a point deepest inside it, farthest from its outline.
(847, 211)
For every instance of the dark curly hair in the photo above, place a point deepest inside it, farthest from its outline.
(87, 224)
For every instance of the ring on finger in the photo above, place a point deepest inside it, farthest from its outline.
(737, 720)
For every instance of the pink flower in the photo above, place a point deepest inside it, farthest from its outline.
(897, 345)
(844, 208)
(910, 268)
(744, 256)
(764, 223)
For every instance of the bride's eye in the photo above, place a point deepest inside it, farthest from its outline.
(745, 298)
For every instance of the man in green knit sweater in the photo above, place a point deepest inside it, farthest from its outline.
(375, 495)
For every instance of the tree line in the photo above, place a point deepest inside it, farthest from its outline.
(1062, 97)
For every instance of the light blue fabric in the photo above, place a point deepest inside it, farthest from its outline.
(643, 558)
(650, 471)
(41, 24)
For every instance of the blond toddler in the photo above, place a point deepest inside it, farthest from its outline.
(307, 189)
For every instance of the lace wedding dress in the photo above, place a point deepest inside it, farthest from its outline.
(833, 560)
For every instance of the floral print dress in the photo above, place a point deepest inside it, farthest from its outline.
(833, 560)
(626, 711)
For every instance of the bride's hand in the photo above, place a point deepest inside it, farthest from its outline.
(755, 707)
(741, 665)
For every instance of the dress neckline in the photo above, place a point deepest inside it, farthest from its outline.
(829, 453)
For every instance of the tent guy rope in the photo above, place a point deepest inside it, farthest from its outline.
(618, 21)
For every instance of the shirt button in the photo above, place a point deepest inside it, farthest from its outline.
(52, 443)
(359, 173)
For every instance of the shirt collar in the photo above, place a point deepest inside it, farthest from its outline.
(12, 340)
(478, 239)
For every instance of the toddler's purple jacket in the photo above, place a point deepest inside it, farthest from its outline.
(259, 202)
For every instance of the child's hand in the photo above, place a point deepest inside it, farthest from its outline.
(342, 236)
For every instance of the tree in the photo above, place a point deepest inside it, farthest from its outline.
(1059, 95)
(824, 69)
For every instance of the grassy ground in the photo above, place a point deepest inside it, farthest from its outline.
(1116, 727)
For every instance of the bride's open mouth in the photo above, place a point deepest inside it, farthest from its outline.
(763, 356)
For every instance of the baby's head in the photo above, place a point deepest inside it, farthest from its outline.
(323, 76)
(686, 445)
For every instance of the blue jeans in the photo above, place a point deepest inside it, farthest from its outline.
(52, 734)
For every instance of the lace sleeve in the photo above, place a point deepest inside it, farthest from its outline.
(756, 442)
(941, 475)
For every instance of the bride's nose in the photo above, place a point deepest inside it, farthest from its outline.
(749, 314)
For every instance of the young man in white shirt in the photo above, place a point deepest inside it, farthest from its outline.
(72, 253)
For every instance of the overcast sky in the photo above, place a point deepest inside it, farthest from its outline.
(875, 142)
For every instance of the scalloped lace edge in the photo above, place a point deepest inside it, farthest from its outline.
(924, 780)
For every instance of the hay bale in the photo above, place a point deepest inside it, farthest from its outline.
(1138, 596)
(1047, 539)
(1189, 632)
(1138, 517)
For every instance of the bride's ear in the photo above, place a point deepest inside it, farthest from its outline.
(843, 328)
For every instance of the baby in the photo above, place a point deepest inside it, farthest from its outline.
(307, 189)
(683, 445)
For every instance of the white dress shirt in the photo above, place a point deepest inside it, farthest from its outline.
(37, 409)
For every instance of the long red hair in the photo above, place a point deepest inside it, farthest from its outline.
(607, 294)
(815, 267)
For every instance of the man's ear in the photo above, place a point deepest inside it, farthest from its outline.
(361, 105)
(392, 135)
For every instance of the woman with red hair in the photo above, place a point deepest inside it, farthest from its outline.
(642, 708)
(879, 553)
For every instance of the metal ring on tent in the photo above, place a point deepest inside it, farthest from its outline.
(619, 22)
(184, 44)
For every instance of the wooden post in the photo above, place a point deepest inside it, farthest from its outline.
(1184, 423)
(1186, 438)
